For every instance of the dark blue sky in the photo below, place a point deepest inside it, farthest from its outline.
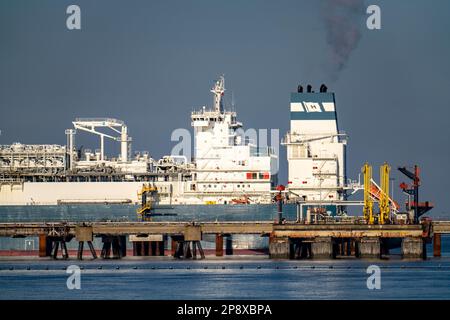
(150, 62)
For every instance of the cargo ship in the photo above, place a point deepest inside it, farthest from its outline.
(226, 167)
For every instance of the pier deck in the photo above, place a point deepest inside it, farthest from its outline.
(288, 240)
(293, 230)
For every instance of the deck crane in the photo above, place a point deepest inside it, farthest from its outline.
(90, 125)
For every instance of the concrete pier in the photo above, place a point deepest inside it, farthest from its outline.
(322, 248)
(279, 248)
(369, 248)
(150, 245)
(413, 248)
(287, 240)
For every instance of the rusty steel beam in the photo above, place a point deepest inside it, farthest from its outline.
(237, 228)
(440, 226)
(437, 245)
(348, 233)
(294, 230)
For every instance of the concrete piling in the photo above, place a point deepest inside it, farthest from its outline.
(279, 248)
(342, 247)
(322, 248)
(413, 248)
(369, 247)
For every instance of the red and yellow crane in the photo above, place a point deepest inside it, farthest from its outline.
(373, 191)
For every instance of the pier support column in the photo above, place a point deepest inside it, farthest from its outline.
(115, 248)
(123, 246)
(322, 248)
(413, 248)
(153, 248)
(80, 250)
(229, 245)
(369, 248)
(106, 249)
(301, 249)
(173, 246)
(145, 248)
(437, 245)
(92, 249)
(45, 246)
(115, 245)
(83, 234)
(219, 245)
(56, 244)
(279, 248)
(137, 248)
(190, 243)
(160, 248)
(384, 243)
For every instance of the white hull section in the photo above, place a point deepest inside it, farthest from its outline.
(54, 193)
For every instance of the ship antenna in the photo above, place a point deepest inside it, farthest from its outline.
(218, 90)
(232, 100)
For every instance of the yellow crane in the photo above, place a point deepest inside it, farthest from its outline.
(384, 195)
(368, 202)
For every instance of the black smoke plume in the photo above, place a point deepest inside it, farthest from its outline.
(343, 24)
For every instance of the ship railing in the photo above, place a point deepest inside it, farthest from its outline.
(10, 180)
(262, 151)
(297, 138)
(120, 122)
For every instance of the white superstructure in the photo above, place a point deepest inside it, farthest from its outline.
(225, 169)
(315, 147)
(226, 166)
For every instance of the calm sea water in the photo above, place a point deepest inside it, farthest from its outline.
(228, 278)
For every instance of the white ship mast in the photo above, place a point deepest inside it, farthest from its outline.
(219, 90)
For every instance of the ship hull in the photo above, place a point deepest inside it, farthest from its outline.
(62, 193)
